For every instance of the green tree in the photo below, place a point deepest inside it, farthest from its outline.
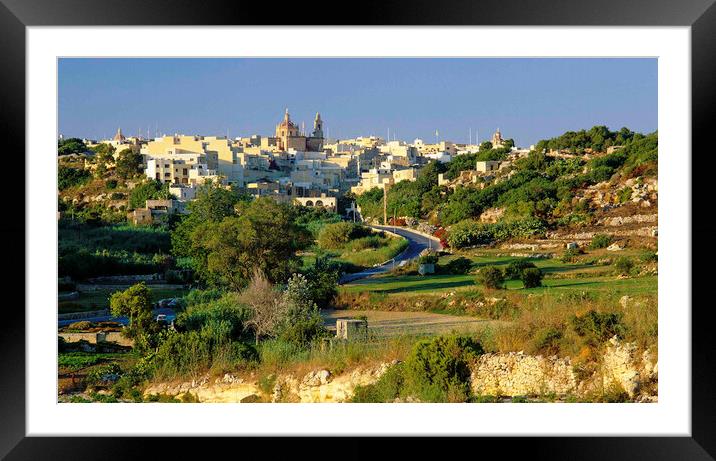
(135, 303)
(69, 177)
(129, 164)
(104, 153)
(212, 204)
(491, 277)
(71, 146)
(149, 190)
(531, 277)
(263, 236)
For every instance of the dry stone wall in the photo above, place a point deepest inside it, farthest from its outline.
(515, 373)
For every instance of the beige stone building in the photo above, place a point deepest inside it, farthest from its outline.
(290, 137)
(329, 203)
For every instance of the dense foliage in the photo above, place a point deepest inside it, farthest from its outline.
(71, 146)
(148, 190)
(68, 176)
(537, 191)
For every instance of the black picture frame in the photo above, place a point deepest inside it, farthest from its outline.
(700, 15)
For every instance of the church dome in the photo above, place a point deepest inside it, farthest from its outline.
(119, 136)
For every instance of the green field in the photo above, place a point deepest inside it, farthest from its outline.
(559, 276)
(99, 299)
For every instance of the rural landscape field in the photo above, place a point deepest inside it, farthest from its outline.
(299, 267)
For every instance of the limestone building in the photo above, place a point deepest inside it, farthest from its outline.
(288, 135)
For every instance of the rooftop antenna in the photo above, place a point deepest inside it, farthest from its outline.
(470, 135)
(388, 134)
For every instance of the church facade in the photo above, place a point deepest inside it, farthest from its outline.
(289, 136)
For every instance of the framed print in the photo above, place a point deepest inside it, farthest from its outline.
(449, 221)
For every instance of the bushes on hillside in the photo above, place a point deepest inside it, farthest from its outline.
(623, 265)
(515, 268)
(192, 352)
(491, 277)
(436, 370)
(336, 235)
(570, 255)
(600, 241)
(69, 177)
(531, 277)
(597, 327)
(227, 309)
(457, 266)
(470, 233)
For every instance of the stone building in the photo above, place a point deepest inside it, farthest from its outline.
(289, 136)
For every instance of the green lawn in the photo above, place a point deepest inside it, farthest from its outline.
(97, 300)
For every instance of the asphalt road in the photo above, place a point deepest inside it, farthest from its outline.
(416, 244)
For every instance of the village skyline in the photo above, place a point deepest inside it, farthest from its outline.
(401, 99)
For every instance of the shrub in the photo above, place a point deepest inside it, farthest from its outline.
(570, 255)
(193, 352)
(438, 369)
(491, 277)
(323, 281)
(458, 266)
(532, 277)
(515, 268)
(468, 233)
(624, 195)
(103, 375)
(600, 241)
(302, 331)
(226, 309)
(336, 235)
(196, 296)
(68, 177)
(547, 340)
(386, 389)
(623, 265)
(428, 259)
(648, 257)
(597, 327)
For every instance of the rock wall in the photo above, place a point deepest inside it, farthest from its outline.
(518, 374)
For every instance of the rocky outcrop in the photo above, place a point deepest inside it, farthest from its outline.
(623, 366)
(318, 386)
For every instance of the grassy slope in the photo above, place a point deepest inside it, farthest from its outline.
(559, 276)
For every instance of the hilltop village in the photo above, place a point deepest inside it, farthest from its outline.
(291, 166)
(299, 268)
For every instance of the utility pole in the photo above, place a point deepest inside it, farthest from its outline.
(385, 205)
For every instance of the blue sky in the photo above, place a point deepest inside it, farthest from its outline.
(528, 99)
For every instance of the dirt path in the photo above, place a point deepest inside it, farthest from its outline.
(390, 323)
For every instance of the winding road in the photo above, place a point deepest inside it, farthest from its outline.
(416, 243)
